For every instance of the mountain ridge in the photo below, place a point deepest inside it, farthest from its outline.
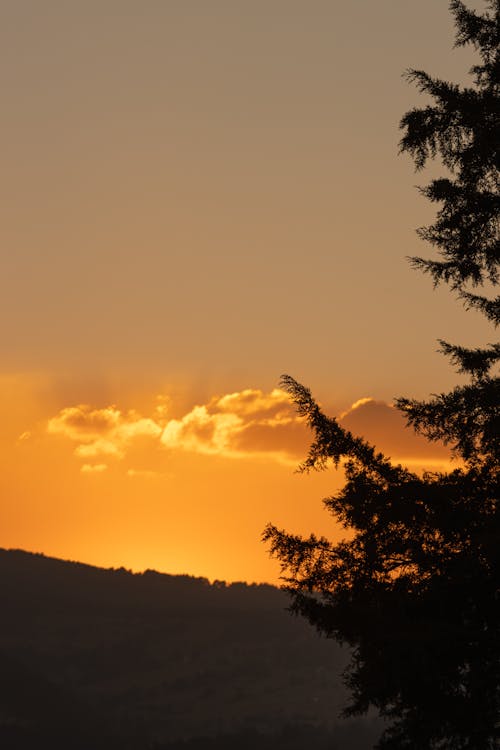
(160, 661)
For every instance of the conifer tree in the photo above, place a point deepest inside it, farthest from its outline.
(413, 589)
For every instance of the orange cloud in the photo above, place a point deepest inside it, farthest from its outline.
(243, 424)
(93, 468)
(384, 426)
(101, 432)
(143, 473)
(239, 425)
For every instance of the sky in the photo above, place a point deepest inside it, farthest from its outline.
(196, 197)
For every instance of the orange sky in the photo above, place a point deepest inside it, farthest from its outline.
(178, 489)
(196, 197)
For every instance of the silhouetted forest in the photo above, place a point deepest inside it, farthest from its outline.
(110, 659)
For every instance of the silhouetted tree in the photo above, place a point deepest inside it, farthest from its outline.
(414, 587)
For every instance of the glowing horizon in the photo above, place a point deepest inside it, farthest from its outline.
(189, 493)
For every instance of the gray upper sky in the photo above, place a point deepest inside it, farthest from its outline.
(210, 190)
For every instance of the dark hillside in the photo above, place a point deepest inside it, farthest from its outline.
(107, 658)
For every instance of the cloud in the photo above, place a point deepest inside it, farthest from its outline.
(144, 473)
(243, 424)
(357, 404)
(93, 468)
(240, 425)
(102, 432)
(385, 427)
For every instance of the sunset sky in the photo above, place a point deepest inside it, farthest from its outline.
(198, 196)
